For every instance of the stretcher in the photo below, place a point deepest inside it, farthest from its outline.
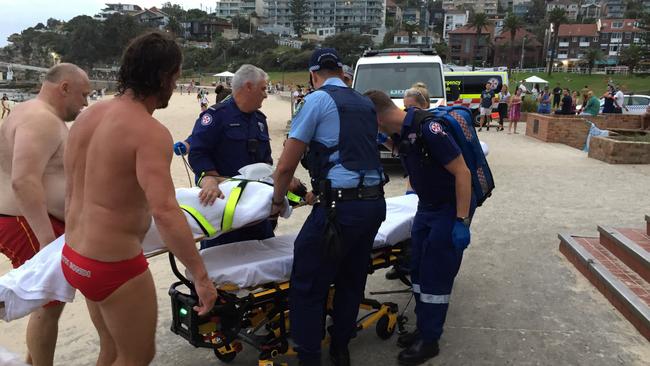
(252, 279)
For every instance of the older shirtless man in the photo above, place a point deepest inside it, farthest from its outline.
(32, 185)
(117, 163)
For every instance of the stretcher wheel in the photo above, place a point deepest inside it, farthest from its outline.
(382, 327)
(225, 357)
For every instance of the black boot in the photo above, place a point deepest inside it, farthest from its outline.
(408, 339)
(340, 356)
(418, 353)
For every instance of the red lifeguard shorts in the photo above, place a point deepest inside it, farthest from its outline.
(17, 240)
(96, 279)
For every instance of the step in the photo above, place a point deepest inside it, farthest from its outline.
(622, 286)
(632, 246)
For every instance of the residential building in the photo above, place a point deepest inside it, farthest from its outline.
(204, 29)
(401, 38)
(613, 8)
(110, 9)
(357, 16)
(463, 47)
(521, 7)
(153, 18)
(616, 34)
(571, 7)
(488, 7)
(527, 49)
(231, 8)
(574, 39)
(590, 9)
(454, 19)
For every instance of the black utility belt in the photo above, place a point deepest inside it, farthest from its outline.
(351, 194)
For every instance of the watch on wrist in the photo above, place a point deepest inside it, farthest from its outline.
(465, 220)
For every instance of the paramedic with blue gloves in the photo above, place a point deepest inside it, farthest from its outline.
(440, 231)
(228, 136)
(339, 126)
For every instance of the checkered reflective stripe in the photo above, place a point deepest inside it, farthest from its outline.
(463, 124)
(482, 179)
(472, 103)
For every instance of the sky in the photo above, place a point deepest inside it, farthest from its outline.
(16, 15)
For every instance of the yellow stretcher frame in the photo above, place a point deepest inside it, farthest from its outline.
(238, 318)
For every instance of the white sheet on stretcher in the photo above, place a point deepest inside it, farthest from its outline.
(250, 263)
(244, 264)
(400, 212)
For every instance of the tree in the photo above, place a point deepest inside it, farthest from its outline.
(633, 9)
(512, 24)
(411, 27)
(442, 50)
(173, 10)
(53, 23)
(299, 15)
(556, 17)
(591, 56)
(84, 38)
(117, 31)
(631, 56)
(350, 46)
(174, 26)
(478, 21)
(196, 14)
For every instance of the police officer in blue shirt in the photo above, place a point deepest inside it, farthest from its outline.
(337, 128)
(440, 231)
(228, 136)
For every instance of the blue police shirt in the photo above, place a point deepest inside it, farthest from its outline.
(433, 184)
(221, 139)
(318, 120)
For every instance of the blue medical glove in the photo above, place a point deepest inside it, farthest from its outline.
(381, 138)
(180, 148)
(460, 236)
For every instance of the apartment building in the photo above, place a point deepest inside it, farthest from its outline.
(616, 34)
(570, 7)
(488, 7)
(590, 9)
(574, 39)
(110, 9)
(152, 17)
(613, 8)
(358, 15)
(453, 20)
(527, 49)
(230, 8)
(463, 48)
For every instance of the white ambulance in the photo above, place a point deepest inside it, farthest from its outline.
(394, 70)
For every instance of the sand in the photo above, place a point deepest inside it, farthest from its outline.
(516, 300)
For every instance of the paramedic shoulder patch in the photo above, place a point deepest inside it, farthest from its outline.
(436, 128)
(206, 120)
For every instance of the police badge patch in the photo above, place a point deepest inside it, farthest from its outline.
(206, 120)
(436, 128)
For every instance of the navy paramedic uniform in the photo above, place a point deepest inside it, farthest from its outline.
(340, 127)
(225, 139)
(434, 259)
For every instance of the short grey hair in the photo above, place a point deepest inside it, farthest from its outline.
(248, 73)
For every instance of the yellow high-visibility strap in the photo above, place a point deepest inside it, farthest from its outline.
(231, 205)
(292, 197)
(205, 225)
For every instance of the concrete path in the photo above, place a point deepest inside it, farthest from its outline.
(517, 301)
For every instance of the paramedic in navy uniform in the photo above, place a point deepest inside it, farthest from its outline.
(339, 126)
(440, 231)
(228, 136)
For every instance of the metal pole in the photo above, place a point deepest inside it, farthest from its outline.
(521, 63)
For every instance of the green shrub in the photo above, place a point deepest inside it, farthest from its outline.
(529, 104)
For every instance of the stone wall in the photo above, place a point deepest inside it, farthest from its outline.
(619, 152)
(573, 130)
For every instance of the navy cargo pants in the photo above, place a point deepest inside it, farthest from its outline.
(314, 272)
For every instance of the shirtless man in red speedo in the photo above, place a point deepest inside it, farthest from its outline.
(117, 165)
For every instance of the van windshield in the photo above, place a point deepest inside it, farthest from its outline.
(394, 79)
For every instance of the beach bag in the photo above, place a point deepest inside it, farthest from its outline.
(457, 122)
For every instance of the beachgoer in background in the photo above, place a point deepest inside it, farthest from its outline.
(593, 105)
(487, 100)
(5, 105)
(222, 93)
(565, 105)
(557, 96)
(348, 75)
(515, 111)
(502, 107)
(544, 101)
(608, 105)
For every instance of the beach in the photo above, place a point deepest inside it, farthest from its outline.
(516, 299)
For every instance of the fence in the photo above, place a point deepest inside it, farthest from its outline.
(622, 70)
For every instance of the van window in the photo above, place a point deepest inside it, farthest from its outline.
(475, 84)
(393, 79)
